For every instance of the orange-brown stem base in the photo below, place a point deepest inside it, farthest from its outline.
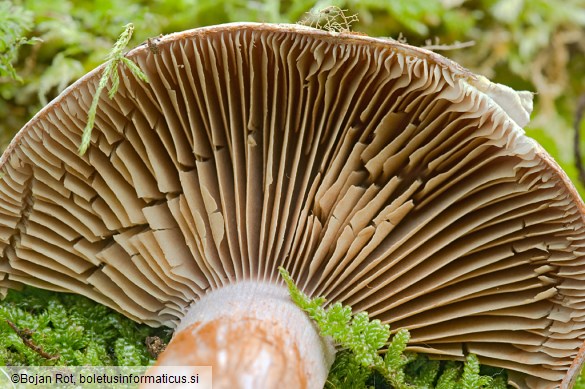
(253, 336)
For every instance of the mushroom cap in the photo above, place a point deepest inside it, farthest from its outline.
(380, 175)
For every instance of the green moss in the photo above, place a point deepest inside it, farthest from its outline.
(15, 21)
(74, 328)
(580, 384)
(110, 74)
(360, 364)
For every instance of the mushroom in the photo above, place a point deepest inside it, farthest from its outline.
(379, 174)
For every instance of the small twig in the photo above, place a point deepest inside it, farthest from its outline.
(25, 335)
(577, 138)
(436, 46)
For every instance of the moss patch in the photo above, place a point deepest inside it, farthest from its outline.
(72, 329)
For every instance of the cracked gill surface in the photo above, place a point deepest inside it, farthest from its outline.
(378, 174)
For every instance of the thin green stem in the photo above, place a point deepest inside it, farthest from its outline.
(110, 73)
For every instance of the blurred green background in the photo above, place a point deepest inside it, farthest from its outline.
(535, 45)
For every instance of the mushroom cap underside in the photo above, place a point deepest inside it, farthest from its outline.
(380, 175)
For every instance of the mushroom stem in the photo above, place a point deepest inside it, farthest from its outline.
(253, 336)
